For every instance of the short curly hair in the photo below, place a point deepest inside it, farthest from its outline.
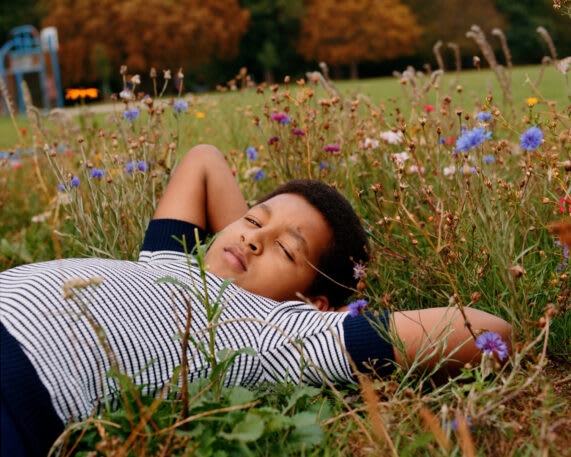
(349, 246)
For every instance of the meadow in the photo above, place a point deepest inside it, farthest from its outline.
(463, 182)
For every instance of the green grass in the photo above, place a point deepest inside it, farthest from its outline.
(475, 239)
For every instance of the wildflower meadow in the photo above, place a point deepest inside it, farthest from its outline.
(463, 183)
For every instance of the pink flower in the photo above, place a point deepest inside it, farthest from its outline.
(429, 108)
(565, 205)
(331, 148)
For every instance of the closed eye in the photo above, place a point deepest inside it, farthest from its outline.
(286, 252)
(252, 221)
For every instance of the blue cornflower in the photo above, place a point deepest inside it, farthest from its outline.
(323, 165)
(180, 106)
(74, 182)
(359, 270)
(259, 175)
(96, 173)
(489, 158)
(130, 167)
(142, 165)
(472, 138)
(131, 114)
(356, 307)
(453, 424)
(531, 139)
(484, 116)
(492, 343)
(251, 153)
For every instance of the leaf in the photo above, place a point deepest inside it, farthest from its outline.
(307, 431)
(240, 395)
(249, 429)
(300, 392)
(174, 281)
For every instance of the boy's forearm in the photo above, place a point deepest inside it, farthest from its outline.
(203, 191)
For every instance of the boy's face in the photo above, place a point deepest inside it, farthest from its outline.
(270, 249)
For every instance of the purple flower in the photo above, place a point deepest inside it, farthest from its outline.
(323, 166)
(472, 138)
(96, 173)
(259, 175)
(299, 132)
(142, 165)
(331, 148)
(75, 181)
(489, 158)
(180, 106)
(454, 424)
(61, 187)
(272, 140)
(531, 139)
(130, 167)
(359, 270)
(492, 343)
(356, 307)
(282, 118)
(131, 114)
(251, 153)
(484, 116)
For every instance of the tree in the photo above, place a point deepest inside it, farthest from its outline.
(144, 33)
(268, 46)
(343, 32)
(524, 17)
(453, 19)
(14, 14)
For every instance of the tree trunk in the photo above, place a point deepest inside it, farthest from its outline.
(354, 70)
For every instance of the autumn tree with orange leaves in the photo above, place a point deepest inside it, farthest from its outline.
(346, 32)
(165, 34)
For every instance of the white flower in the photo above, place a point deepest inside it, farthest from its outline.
(391, 137)
(401, 157)
(126, 95)
(370, 143)
(413, 169)
(136, 79)
(42, 217)
(449, 171)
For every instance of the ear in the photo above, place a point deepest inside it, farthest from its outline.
(321, 302)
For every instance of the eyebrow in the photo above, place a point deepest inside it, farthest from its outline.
(289, 229)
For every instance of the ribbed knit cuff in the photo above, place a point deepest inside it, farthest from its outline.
(367, 346)
(165, 235)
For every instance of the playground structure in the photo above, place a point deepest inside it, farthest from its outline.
(32, 57)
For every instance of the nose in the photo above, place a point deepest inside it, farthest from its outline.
(253, 242)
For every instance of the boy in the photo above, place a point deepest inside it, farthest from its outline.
(66, 323)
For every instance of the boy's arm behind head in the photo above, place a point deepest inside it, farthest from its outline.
(202, 191)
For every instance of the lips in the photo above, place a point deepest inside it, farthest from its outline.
(235, 258)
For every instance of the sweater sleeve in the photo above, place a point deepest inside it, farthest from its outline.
(367, 343)
(163, 237)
